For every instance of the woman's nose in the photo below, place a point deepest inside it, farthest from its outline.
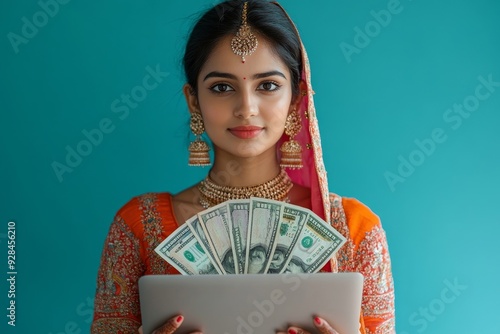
(246, 106)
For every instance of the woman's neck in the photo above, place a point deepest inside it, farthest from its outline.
(244, 172)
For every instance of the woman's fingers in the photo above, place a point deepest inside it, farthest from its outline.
(170, 326)
(297, 330)
(173, 323)
(140, 330)
(323, 326)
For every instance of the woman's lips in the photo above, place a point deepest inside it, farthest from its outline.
(246, 132)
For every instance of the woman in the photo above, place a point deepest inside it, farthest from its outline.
(249, 88)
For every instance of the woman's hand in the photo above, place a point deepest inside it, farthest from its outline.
(321, 325)
(170, 326)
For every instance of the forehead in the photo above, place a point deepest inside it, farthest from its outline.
(223, 59)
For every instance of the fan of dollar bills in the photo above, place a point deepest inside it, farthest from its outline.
(251, 236)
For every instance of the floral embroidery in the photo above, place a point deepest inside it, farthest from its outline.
(373, 261)
(115, 325)
(339, 222)
(117, 293)
(153, 231)
(370, 258)
(117, 308)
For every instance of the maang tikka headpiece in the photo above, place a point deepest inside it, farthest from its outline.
(244, 43)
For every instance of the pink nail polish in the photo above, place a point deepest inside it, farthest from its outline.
(317, 320)
(179, 319)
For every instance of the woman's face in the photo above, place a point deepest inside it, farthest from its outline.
(244, 105)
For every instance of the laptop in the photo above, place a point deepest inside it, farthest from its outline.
(251, 304)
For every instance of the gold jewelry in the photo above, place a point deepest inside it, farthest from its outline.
(291, 151)
(198, 149)
(276, 189)
(244, 43)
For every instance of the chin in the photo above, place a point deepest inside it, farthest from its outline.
(246, 148)
(249, 151)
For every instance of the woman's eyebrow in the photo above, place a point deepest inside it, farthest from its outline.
(268, 74)
(216, 74)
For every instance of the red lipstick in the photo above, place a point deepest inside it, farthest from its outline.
(246, 131)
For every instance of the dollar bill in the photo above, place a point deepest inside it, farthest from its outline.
(239, 211)
(251, 236)
(292, 220)
(264, 218)
(317, 243)
(216, 224)
(183, 251)
(195, 226)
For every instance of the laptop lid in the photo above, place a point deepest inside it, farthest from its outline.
(251, 304)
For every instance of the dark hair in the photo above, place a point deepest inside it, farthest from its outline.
(224, 19)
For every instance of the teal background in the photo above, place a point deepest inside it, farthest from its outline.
(442, 222)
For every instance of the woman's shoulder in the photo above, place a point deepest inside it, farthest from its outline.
(357, 216)
(143, 207)
(144, 201)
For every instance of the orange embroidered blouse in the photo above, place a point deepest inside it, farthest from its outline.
(146, 220)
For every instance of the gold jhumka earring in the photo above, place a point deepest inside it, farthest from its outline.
(291, 151)
(198, 149)
(244, 43)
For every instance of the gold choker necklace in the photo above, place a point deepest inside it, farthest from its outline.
(213, 194)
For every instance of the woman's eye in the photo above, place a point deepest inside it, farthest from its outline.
(221, 88)
(269, 86)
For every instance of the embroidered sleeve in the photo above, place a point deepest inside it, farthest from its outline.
(373, 261)
(116, 306)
